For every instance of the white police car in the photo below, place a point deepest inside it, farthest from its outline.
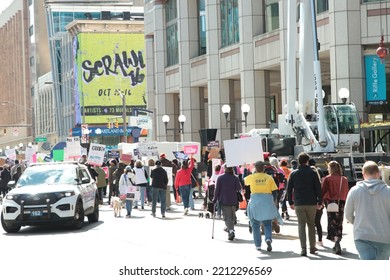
(51, 193)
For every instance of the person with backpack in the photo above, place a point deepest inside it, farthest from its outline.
(127, 179)
(141, 180)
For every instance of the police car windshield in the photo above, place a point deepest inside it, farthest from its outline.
(48, 175)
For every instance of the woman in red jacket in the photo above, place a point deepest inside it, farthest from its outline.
(183, 182)
(335, 189)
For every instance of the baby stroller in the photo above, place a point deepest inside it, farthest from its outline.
(208, 204)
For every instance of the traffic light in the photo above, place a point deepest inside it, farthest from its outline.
(116, 124)
(5, 131)
(109, 125)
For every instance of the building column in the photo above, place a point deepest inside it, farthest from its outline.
(150, 81)
(252, 87)
(218, 90)
(159, 69)
(345, 47)
(188, 48)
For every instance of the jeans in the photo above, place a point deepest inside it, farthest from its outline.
(185, 195)
(306, 215)
(156, 192)
(129, 206)
(191, 199)
(257, 233)
(370, 250)
(318, 224)
(142, 189)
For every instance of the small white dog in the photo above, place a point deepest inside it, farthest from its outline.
(117, 205)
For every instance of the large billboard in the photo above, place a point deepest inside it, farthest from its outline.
(109, 68)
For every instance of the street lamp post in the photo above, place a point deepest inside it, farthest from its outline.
(124, 117)
(344, 94)
(182, 119)
(245, 108)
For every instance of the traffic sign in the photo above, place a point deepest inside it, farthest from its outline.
(40, 139)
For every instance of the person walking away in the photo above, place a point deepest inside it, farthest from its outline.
(226, 190)
(335, 189)
(112, 184)
(126, 180)
(159, 184)
(194, 185)
(148, 168)
(183, 182)
(5, 178)
(167, 163)
(210, 190)
(276, 175)
(283, 197)
(305, 197)
(368, 208)
(101, 182)
(319, 212)
(14, 168)
(261, 208)
(141, 180)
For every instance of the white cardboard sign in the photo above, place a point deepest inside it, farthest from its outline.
(242, 151)
(96, 154)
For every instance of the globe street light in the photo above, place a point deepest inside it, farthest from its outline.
(344, 94)
(245, 108)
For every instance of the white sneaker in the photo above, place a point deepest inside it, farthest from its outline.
(186, 211)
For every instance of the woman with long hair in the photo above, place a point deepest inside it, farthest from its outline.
(335, 189)
(183, 182)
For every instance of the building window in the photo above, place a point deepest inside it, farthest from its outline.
(31, 30)
(322, 6)
(230, 33)
(271, 15)
(171, 10)
(32, 61)
(371, 1)
(172, 33)
(202, 27)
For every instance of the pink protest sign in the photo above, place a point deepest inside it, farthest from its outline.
(190, 150)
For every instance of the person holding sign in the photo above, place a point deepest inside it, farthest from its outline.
(183, 182)
(126, 182)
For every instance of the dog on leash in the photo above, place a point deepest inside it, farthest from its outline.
(117, 205)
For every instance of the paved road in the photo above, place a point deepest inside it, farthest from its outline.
(101, 250)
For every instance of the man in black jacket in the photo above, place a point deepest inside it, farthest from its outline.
(167, 163)
(305, 197)
(159, 185)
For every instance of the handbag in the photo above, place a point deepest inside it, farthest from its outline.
(239, 197)
(196, 181)
(333, 206)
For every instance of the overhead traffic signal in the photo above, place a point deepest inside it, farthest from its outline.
(116, 124)
(109, 125)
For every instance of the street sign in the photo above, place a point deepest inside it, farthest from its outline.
(40, 139)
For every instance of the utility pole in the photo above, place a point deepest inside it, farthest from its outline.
(124, 118)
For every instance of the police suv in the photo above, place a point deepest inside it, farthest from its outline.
(51, 193)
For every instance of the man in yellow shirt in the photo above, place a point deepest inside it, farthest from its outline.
(261, 207)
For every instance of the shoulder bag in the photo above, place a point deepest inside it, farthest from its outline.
(333, 206)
